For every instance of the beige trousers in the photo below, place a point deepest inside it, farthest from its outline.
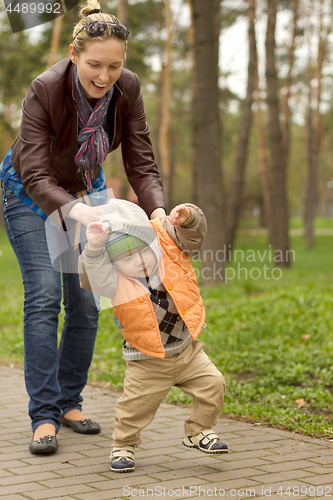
(148, 381)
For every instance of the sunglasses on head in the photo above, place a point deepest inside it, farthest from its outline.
(98, 28)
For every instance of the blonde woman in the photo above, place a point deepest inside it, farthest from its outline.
(74, 114)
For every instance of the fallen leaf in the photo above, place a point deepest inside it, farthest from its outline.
(300, 402)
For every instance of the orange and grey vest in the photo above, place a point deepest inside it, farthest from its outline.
(133, 309)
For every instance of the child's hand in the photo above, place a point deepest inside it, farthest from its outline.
(97, 234)
(179, 215)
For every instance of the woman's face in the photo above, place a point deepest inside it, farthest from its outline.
(99, 65)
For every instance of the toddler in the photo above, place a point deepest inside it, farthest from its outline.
(145, 268)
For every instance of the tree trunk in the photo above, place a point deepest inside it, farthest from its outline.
(237, 182)
(122, 11)
(191, 55)
(263, 166)
(124, 184)
(173, 164)
(279, 234)
(166, 94)
(287, 111)
(314, 131)
(310, 191)
(55, 42)
(208, 185)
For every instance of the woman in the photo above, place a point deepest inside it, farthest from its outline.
(73, 115)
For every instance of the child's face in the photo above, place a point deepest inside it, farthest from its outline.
(137, 263)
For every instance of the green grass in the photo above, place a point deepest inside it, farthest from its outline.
(271, 338)
(319, 223)
(294, 223)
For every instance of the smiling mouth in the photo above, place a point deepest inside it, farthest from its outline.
(99, 86)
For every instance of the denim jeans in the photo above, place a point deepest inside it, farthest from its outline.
(54, 375)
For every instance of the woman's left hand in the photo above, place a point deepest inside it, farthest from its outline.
(158, 212)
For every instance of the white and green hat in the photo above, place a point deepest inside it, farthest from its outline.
(120, 243)
(129, 228)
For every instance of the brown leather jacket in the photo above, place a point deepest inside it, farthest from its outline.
(43, 153)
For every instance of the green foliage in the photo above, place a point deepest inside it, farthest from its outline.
(319, 223)
(270, 336)
(272, 339)
(144, 22)
(277, 349)
(67, 24)
(230, 13)
(23, 58)
(18, 67)
(11, 300)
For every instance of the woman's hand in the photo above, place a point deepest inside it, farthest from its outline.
(85, 214)
(97, 234)
(158, 212)
(179, 215)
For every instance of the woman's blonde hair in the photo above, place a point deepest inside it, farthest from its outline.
(80, 39)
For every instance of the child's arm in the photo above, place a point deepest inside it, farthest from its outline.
(95, 268)
(187, 226)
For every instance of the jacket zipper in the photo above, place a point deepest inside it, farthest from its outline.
(114, 125)
(115, 117)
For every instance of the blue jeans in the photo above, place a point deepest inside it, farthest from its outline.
(54, 376)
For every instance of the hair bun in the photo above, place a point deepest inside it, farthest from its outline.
(93, 11)
(90, 7)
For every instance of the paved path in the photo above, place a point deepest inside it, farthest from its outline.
(262, 462)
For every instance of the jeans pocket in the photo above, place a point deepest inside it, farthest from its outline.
(9, 197)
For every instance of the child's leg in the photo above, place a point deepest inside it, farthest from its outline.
(146, 384)
(199, 377)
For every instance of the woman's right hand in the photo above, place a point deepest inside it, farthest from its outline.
(85, 214)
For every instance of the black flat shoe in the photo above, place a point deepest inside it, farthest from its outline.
(44, 445)
(84, 426)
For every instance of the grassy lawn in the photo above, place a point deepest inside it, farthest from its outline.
(320, 223)
(269, 332)
(294, 223)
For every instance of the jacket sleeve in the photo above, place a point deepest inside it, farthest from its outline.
(138, 156)
(97, 273)
(190, 236)
(35, 153)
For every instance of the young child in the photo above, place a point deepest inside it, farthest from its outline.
(144, 267)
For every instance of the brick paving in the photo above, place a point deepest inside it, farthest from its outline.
(262, 462)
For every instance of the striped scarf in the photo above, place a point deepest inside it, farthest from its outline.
(93, 140)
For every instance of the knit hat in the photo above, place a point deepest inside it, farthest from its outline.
(120, 243)
(129, 228)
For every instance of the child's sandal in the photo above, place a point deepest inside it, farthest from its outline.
(206, 441)
(122, 459)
